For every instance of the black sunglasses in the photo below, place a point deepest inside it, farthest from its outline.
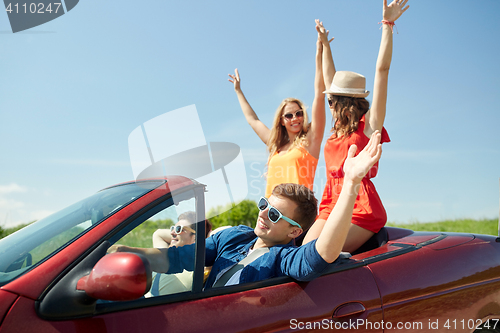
(330, 102)
(297, 114)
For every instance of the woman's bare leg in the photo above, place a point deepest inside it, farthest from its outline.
(356, 237)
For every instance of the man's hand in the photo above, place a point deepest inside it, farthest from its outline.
(356, 167)
(116, 248)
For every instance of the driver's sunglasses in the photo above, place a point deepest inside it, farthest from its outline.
(298, 114)
(180, 228)
(274, 214)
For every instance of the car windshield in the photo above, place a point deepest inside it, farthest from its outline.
(27, 247)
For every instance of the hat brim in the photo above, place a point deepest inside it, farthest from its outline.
(330, 92)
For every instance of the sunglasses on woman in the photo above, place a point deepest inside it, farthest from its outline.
(298, 114)
(274, 214)
(180, 228)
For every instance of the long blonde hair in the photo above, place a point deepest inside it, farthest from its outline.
(279, 136)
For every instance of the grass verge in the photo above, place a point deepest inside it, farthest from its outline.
(485, 227)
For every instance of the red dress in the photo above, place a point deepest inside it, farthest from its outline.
(369, 213)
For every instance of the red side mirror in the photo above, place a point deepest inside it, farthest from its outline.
(119, 276)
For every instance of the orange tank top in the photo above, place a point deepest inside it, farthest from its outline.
(295, 166)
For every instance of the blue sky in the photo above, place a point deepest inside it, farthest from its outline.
(73, 89)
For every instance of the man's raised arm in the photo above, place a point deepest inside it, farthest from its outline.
(334, 233)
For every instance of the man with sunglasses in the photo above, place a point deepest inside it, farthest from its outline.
(241, 254)
(180, 234)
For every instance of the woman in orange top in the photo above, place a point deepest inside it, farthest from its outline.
(354, 124)
(293, 143)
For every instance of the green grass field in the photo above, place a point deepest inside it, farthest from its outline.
(486, 227)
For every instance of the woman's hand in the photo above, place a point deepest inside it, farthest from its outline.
(322, 33)
(393, 11)
(235, 79)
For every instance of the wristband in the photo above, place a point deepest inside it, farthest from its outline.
(391, 24)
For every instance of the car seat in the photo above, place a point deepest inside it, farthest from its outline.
(377, 240)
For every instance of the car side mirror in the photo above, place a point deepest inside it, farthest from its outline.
(119, 276)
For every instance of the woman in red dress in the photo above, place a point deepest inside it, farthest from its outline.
(354, 124)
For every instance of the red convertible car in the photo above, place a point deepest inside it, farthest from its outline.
(55, 276)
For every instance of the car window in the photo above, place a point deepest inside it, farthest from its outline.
(183, 235)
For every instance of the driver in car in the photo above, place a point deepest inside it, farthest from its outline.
(241, 254)
(180, 234)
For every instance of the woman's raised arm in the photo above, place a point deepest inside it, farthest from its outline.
(376, 114)
(327, 61)
(318, 118)
(258, 126)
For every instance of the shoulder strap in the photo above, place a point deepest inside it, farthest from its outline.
(239, 266)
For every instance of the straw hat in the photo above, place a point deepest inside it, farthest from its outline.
(347, 83)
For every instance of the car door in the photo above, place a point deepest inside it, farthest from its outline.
(277, 305)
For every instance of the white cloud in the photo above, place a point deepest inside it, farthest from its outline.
(15, 211)
(10, 204)
(12, 188)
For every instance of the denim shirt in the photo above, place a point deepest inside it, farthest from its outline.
(230, 246)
